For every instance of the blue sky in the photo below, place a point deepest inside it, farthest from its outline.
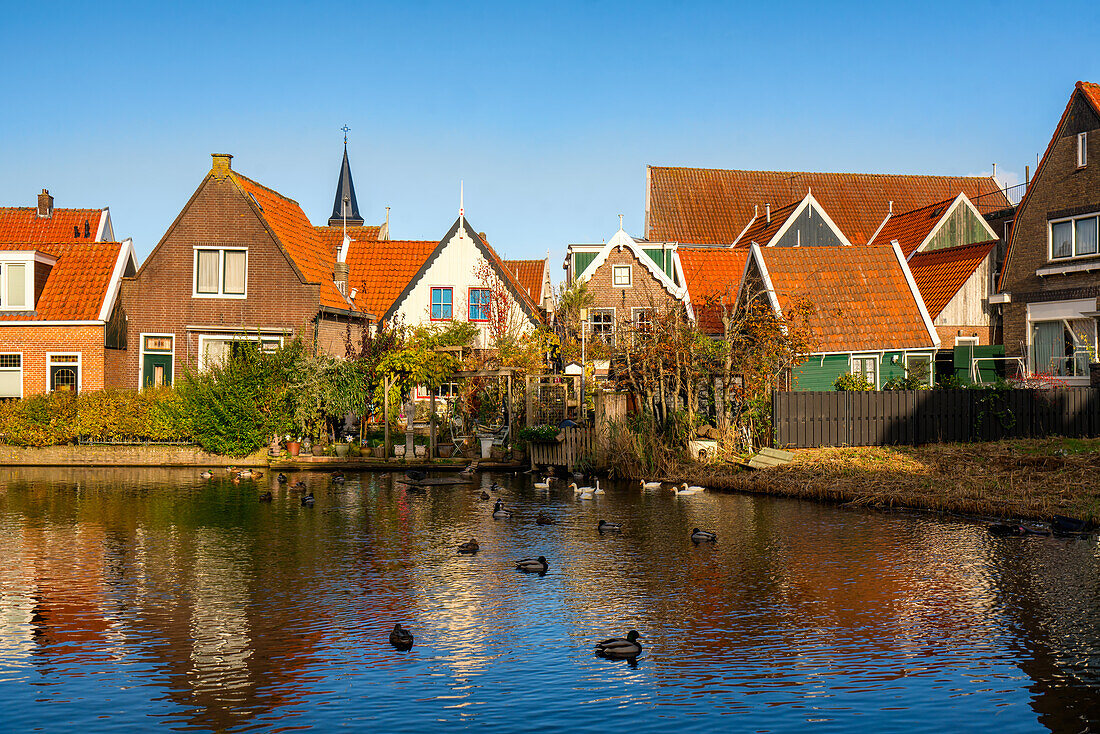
(548, 111)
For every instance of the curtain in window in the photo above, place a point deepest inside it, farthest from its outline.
(1083, 335)
(11, 382)
(17, 285)
(234, 272)
(1048, 348)
(1061, 239)
(216, 351)
(207, 276)
(1086, 236)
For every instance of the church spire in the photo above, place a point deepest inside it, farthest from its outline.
(345, 194)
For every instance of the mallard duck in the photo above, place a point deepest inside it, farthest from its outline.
(500, 512)
(544, 519)
(703, 536)
(230, 470)
(494, 487)
(544, 484)
(308, 500)
(337, 477)
(620, 648)
(266, 497)
(649, 485)
(469, 469)
(533, 565)
(484, 495)
(282, 478)
(300, 486)
(206, 474)
(247, 474)
(609, 527)
(401, 639)
(470, 546)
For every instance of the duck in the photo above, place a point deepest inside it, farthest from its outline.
(685, 492)
(248, 474)
(649, 485)
(494, 487)
(338, 477)
(597, 490)
(609, 527)
(300, 486)
(401, 639)
(308, 500)
(230, 470)
(500, 512)
(533, 565)
(266, 497)
(579, 490)
(469, 546)
(620, 648)
(703, 536)
(414, 475)
(695, 488)
(206, 474)
(283, 479)
(469, 469)
(484, 495)
(543, 519)
(1063, 525)
(544, 484)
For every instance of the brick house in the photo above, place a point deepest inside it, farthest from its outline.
(1051, 278)
(241, 262)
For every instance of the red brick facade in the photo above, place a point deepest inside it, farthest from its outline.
(35, 342)
(645, 291)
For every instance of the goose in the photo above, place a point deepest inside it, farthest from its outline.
(693, 488)
(544, 519)
(620, 648)
(544, 484)
(576, 489)
(484, 495)
(588, 494)
(206, 474)
(703, 536)
(470, 546)
(649, 485)
(401, 639)
(266, 497)
(597, 490)
(609, 527)
(533, 565)
(308, 500)
(282, 478)
(686, 492)
(499, 511)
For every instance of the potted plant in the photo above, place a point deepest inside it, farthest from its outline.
(293, 446)
(445, 450)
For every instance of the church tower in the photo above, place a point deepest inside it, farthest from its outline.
(345, 203)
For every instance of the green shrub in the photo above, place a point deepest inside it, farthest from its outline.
(105, 415)
(851, 382)
(538, 433)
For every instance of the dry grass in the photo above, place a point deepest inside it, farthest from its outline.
(1026, 479)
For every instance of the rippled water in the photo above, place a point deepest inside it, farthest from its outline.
(138, 598)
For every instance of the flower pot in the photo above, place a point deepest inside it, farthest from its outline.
(497, 453)
(445, 451)
(399, 450)
(342, 450)
(293, 447)
(486, 446)
(420, 451)
(317, 450)
(379, 452)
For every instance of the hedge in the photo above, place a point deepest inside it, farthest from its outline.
(115, 416)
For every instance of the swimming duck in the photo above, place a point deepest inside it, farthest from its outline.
(685, 492)
(230, 470)
(248, 474)
(308, 500)
(469, 469)
(649, 485)
(533, 565)
(544, 484)
(544, 519)
(484, 495)
(609, 527)
(282, 478)
(695, 488)
(266, 497)
(338, 477)
(620, 648)
(299, 485)
(401, 639)
(494, 487)
(499, 511)
(414, 475)
(206, 474)
(703, 536)
(597, 490)
(470, 546)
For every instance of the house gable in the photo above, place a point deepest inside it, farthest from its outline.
(620, 241)
(960, 225)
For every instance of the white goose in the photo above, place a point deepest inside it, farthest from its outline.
(649, 485)
(597, 490)
(693, 488)
(544, 484)
(685, 492)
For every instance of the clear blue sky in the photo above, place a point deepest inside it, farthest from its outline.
(548, 111)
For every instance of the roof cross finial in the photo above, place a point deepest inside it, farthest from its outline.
(461, 208)
(620, 222)
(346, 130)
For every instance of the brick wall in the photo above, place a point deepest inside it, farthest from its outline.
(1058, 187)
(644, 292)
(948, 333)
(35, 342)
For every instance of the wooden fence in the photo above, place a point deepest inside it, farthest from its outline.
(582, 443)
(811, 419)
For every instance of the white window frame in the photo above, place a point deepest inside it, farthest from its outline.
(931, 377)
(1082, 149)
(629, 276)
(28, 285)
(221, 272)
(966, 341)
(591, 326)
(423, 393)
(203, 338)
(861, 357)
(1057, 311)
(79, 368)
(1073, 245)
(21, 370)
(141, 355)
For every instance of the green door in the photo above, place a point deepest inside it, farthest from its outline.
(158, 370)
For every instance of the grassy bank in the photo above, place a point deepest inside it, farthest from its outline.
(1025, 479)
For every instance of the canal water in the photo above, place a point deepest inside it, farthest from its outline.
(134, 599)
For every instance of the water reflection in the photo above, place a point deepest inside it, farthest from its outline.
(191, 604)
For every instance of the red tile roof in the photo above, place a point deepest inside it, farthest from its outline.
(764, 227)
(713, 275)
(380, 270)
(78, 281)
(911, 228)
(863, 301)
(333, 237)
(22, 224)
(941, 273)
(530, 274)
(712, 206)
(1092, 94)
(299, 238)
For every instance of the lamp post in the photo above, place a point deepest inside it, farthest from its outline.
(584, 328)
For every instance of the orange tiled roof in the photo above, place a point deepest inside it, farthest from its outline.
(712, 206)
(333, 237)
(380, 270)
(530, 275)
(77, 283)
(299, 238)
(22, 224)
(764, 227)
(862, 297)
(911, 228)
(941, 273)
(712, 275)
(1092, 94)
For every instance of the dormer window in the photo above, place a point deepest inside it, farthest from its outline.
(1082, 149)
(220, 272)
(13, 286)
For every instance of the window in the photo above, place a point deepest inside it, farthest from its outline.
(1061, 348)
(221, 273)
(216, 349)
(64, 372)
(11, 376)
(919, 366)
(620, 276)
(866, 367)
(1082, 149)
(479, 304)
(1076, 237)
(13, 286)
(643, 319)
(602, 323)
(446, 391)
(441, 304)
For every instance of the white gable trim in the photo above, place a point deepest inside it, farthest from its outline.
(104, 232)
(916, 295)
(622, 239)
(960, 199)
(883, 224)
(125, 255)
(678, 268)
(755, 213)
(755, 253)
(808, 201)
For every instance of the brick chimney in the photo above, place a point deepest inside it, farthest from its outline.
(222, 166)
(340, 276)
(45, 204)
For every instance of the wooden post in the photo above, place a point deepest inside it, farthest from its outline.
(511, 428)
(530, 402)
(431, 426)
(386, 417)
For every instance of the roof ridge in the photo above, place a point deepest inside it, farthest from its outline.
(819, 173)
(267, 188)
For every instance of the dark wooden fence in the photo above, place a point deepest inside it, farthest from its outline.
(811, 419)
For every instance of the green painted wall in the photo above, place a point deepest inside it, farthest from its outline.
(581, 260)
(887, 369)
(989, 370)
(961, 228)
(663, 258)
(818, 374)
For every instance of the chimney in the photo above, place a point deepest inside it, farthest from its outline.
(890, 209)
(340, 276)
(87, 229)
(45, 204)
(221, 167)
(483, 237)
(768, 212)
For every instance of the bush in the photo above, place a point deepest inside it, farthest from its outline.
(106, 415)
(538, 433)
(850, 382)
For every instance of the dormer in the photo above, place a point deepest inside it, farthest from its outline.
(23, 275)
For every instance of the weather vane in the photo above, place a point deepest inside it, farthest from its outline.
(345, 128)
